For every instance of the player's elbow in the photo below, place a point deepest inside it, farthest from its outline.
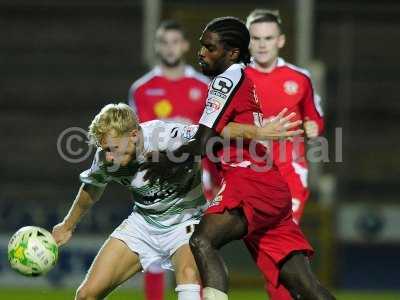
(195, 242)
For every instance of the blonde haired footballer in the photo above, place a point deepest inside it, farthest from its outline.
(163, 216)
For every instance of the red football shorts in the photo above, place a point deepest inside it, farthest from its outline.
(266, 202)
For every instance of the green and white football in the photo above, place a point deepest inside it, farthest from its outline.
(32, 251)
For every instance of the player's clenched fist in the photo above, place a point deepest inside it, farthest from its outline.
(311, 129)
(62, 233)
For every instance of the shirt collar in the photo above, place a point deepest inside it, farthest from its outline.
(236, 67)
(279, 63)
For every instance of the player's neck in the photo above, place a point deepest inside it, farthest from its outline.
(267, 67)
(173, 73)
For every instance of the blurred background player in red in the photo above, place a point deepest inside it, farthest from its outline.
(172, 90)
(279, 85)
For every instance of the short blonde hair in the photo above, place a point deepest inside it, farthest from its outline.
(117, 118)
(260, 15)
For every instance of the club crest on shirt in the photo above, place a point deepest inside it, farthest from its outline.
(189, 132)
(194, 94)
(212, 105)
(291, 87)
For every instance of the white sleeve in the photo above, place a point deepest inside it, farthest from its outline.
(178, 134)
(95, 175)
(220, 93)
(166, 135)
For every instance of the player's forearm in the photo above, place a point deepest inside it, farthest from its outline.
(82, 203)
(186, 152)
(236, 130)
(197, 146)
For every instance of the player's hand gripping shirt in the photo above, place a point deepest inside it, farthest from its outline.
(165, 206)
(232, 98)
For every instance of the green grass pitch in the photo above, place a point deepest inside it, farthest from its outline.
(60, 294)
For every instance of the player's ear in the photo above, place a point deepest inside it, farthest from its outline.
(156, 46)
(185, 45)
(134, 133)
(157, 41)
(281, 41)
(234, 54)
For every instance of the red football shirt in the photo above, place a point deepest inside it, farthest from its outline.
(287, 86)
(231, 98)
(154, 96)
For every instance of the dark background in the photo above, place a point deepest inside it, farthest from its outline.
(61, 61)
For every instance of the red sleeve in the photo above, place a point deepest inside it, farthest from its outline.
(311, 106)
(225, 117)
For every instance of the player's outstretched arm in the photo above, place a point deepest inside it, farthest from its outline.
(276, 128)
(87, 195)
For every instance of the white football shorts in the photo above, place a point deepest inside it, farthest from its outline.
(154, 246)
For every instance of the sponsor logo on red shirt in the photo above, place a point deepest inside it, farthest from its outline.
(212, 105)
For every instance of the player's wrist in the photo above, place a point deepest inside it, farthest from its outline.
(69, 225)
(258, 133)
(264, 133)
